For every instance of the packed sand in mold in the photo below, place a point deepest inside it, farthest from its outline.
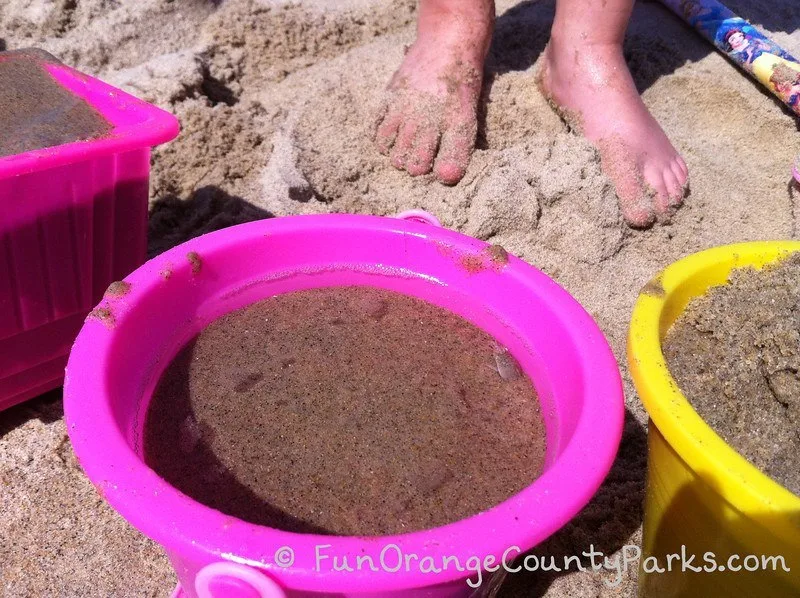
(735, 353)
(350, 411)
(36, 112)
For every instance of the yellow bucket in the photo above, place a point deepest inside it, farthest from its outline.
(703, 498)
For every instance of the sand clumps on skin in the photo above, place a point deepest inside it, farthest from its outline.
(277, 101)
(444, 127)
(735, 354)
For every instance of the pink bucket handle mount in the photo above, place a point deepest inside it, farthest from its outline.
(224, 573)
(224, 578)
(419, 216)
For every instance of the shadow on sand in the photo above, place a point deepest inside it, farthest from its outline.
(621, 494)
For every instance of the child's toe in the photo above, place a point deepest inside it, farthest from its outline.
(424, 151)
(674, 192)
(450, 172)
(387, 129)
(681, 164)
(403, 144)
(635, 197)
(638, 213)
(458, 141)
(682, 175)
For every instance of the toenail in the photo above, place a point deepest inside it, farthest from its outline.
(450, 176)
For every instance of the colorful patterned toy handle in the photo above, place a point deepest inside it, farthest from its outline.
(751, 50)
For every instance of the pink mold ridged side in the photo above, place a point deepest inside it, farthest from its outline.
(74, 219)
(86, 228)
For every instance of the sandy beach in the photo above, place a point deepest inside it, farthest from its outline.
(276, 101)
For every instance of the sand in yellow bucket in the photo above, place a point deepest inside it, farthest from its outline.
(702, 497)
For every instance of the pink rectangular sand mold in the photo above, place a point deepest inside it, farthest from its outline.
(74, 219)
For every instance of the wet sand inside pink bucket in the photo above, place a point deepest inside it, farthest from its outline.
(36, 112)
(351, 411)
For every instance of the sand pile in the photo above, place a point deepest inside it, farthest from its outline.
(276, 101)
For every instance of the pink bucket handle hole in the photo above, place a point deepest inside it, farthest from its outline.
(258, 583)
(419, 216)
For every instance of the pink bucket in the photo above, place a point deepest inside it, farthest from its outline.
(74, 219)
(122, 350)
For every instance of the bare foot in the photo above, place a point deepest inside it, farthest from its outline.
(429, 118)
(591, 86)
